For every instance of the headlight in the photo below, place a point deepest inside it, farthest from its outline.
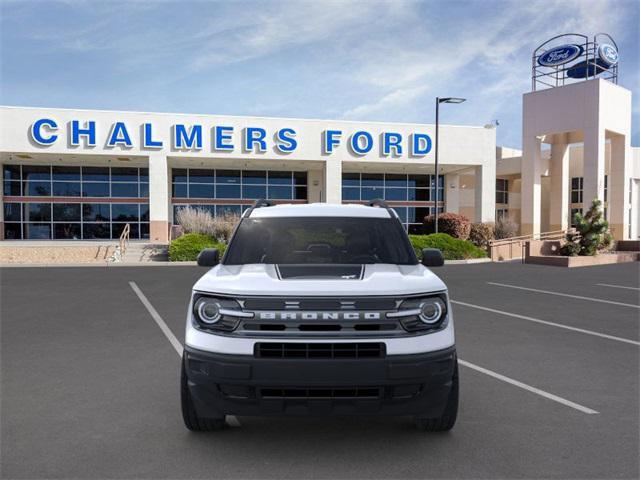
(208, 310)
(427, 313)
(215, 313)
(431, 310)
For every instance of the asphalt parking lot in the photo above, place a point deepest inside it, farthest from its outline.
(549, 384)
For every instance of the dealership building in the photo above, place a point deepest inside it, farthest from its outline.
(85, 174)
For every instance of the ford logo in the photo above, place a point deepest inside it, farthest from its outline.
(560, 55)
(608, 54)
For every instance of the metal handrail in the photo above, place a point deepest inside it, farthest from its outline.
(537, 236)
(123, 241)
(523, 239)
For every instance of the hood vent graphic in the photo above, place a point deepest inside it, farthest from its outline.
(329, 272)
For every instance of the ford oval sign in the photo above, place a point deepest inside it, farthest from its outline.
(608, 54)
(560, 55)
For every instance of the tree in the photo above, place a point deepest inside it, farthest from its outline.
(591, 235)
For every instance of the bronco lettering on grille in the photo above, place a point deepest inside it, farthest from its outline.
(319, 315)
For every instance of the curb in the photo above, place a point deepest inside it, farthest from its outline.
(467, 262)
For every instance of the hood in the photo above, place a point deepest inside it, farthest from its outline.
(267, 279)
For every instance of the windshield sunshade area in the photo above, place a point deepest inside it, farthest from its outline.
(320, 240)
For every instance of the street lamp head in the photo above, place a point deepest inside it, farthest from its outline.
(451, 100)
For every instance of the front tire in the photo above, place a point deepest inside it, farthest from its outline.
(191, 419)
(448, 418)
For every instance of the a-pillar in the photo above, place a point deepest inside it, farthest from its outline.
(158, 198)
(618, 188)
(593, 166)
(333, 181)
(485, 192)
(531, 186)
(559, 167)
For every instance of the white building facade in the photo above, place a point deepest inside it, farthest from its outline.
(85, 174)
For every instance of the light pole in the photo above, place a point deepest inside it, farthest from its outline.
(438, 102)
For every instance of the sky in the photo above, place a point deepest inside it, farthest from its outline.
(345, 60)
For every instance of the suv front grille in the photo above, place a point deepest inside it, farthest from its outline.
(321, 304)
(319, 350)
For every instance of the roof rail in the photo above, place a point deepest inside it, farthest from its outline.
(261, 202)
(378, 202)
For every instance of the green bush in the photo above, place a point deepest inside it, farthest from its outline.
(187, 247)
(452, 248)
(458, 226)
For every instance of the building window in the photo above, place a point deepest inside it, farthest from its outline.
(391, 187)
(502, 213)
(229, 186)
(576, 189)
(394, 187)
(88, 210)
(502, 190)
(572, 221)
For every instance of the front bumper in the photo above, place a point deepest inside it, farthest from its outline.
(416, 384)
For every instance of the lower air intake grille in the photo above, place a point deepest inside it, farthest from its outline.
(320, 350)
(329, 393)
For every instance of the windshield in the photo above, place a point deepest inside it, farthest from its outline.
(320, 240)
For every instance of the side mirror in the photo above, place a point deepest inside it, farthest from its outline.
(209, 257)
(432, 257)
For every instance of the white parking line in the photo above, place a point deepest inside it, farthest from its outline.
(616, 286)
(158, 319)
(529, 388)
(231, 419)
(545, 322)
(590, 299)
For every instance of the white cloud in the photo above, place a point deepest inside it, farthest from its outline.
(495, 51)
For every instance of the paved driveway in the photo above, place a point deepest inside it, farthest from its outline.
(549, 384)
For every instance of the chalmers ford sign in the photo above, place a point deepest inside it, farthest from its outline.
(220, 138)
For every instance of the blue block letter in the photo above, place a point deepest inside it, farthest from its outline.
(253, 136)
(183, 139)
(421, 144)
(331, 140)
(147, 138)
(89, 131)
(286, 142)
(355, 142)
(222, 136)
(392, 140)
(36, 131)
(119, 136)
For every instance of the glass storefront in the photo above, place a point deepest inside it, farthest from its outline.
(418, 194)
(77, 202)
(192, 186)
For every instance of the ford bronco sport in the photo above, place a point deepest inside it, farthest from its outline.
(319, 310)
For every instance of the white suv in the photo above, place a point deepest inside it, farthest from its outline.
(319, 310)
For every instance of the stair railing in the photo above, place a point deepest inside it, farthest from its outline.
(516, 245)
(123, 241)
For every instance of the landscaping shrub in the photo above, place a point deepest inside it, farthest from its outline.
(505, 228)
(199, 220)
(452, 248)
(591, 235)
(187, 247)
(458, 226)
(481, 234)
